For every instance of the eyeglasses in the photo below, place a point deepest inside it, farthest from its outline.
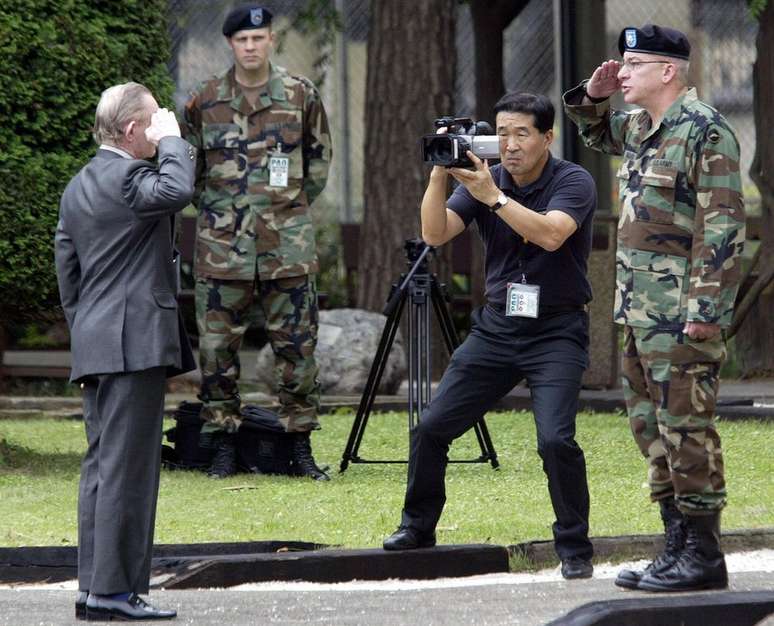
(633, 64)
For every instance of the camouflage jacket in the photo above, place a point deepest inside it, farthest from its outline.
(681, 228)
(245, 225)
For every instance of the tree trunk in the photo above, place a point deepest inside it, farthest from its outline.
(3, 343)
(411, 66)
(754, 340)
(410, 82)
(490, 19)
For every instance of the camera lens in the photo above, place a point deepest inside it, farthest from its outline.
(437, 149)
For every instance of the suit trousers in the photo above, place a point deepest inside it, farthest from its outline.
(120, 480)
(551, 353)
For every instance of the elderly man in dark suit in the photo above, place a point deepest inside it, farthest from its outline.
(117, 274)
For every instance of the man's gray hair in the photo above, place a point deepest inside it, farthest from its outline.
(683, 67)
(118, 105)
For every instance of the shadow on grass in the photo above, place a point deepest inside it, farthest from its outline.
(16, 459)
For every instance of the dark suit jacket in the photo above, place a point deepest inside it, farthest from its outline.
(115, 261)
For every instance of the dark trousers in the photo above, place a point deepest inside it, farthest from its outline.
(119, 480)
(551, 353)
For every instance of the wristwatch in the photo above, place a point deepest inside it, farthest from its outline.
(501, 201)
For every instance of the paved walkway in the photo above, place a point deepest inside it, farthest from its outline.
(737, 398)
(731, 389)
(519, 599)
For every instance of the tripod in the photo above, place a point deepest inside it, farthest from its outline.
(420, 287)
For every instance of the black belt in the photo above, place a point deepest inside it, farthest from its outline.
(547, 309)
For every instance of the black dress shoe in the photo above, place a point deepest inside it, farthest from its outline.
(576, 567)
(80, 604)
(406, 538)
(105, 609)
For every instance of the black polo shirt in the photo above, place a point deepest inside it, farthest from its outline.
(561, 274)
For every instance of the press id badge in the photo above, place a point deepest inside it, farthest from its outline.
(278, 171)
(522, 300)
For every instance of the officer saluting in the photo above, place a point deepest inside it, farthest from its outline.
(265, 146)
(680, 237)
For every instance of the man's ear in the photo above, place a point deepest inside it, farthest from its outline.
(549, 137)
(669, 74)
(130, 131)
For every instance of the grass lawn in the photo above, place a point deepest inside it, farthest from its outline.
(39, 466)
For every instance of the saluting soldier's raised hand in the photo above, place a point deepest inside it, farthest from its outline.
(604, 81)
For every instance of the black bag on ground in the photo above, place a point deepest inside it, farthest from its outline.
(262, 444)
(187, 453)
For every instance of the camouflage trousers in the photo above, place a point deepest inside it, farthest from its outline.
(670, 386)
(223, 314)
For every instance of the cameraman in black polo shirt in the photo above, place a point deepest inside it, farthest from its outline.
(534, 214)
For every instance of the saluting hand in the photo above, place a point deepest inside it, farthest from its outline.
(163, 124)
(478, 182)
(604, 81)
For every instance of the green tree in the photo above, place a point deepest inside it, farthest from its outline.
(57, 59)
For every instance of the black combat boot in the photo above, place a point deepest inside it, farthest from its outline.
(701, 564)
(224, 462)
(674, 541)
(303, 461)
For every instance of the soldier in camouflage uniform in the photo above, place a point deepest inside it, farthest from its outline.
(680, 235)
(264, 137)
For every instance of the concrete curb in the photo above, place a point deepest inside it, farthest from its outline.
(632, 547)
(185, 566)
(333, 566)
(721, 608)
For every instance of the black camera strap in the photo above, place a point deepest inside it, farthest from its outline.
(520, 256)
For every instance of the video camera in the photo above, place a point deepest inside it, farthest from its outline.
(463, 134)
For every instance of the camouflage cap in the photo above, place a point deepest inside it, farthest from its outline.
(245, 18)
(654, 39)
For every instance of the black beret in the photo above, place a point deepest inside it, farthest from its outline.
(654, 39)
(245, 18)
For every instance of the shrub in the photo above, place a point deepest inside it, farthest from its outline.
(58, 57)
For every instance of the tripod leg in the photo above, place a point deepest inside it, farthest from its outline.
(372, 384)
(446, 323)
(427, 379)
(413, 344)
(485, 443)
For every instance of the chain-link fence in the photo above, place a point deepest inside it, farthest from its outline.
(722, 35)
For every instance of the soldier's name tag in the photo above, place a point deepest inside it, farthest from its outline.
(522, 300)
(278, 171)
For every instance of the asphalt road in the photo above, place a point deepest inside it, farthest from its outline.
(481, 600)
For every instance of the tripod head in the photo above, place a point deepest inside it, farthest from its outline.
(416, 254)
(415, 250)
